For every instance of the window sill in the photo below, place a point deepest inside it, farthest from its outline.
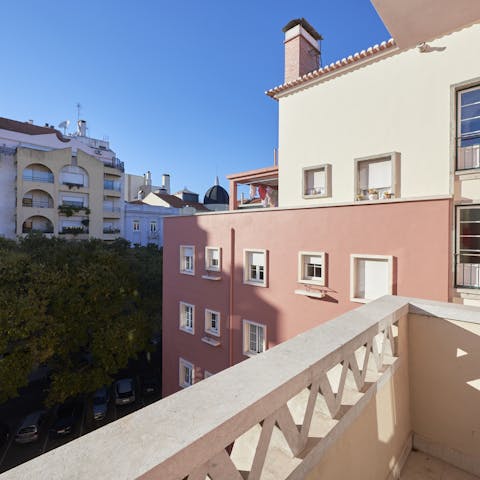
(251, 354)
(255, 284)
(185, 385)
(186, 330)
(468, 171)
(360, 300)
(211, 277)
(187, 272)
(211, 341)
(315, 195)
(310, 293)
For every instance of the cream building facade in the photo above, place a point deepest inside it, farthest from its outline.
(70, 186)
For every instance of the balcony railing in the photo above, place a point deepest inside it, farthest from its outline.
(73, 203)
(37, 229)
(111, 209)
(468, 274)
(333, 401)
(28, 202)
(112, 185)
(73, 230)
(115, 163)
(38, 177)
(111, 230)
(468, 152)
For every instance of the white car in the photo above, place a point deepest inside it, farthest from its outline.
(124, 391)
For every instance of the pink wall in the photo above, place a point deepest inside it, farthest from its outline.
(417, 234)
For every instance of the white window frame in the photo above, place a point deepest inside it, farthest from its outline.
(247, 265)
(393, 188)
(183, 320)
(208, 322)
(354, 258)
(135, 225)
(208, 259)
(468, 157)
(185, 380)
(316, 193)
(153, 226)
(184, 267)
(247, 324)
(302, 274)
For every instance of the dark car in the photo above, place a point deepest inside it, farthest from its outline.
(124, 391)
(4, 434)
(68, 416)
(150, 384)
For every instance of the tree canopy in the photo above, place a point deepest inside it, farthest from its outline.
(83, 308)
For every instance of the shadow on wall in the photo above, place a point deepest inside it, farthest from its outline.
(445, 386)
(247, 324)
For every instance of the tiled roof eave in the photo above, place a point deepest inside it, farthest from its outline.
(343, 64)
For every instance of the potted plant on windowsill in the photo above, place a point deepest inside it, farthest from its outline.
(372, 194)
(387, 195)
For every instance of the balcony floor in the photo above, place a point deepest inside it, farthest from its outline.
(420, 466)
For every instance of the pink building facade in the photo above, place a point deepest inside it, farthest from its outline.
(284, 305)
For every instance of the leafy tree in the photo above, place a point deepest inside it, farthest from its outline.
(84, 308)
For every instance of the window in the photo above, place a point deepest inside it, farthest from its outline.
(377, 177)
(253, 338)
(186, 373)
(187, 317)
(187, 258)
(254, 267)
(311, 267)
(468, 247)
(212, 322)
(153, 227)
(317, 181)
(371, 277)
(212, 259)
(468, 128)
(136, 226)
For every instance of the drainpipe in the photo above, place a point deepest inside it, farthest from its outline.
(230, 320)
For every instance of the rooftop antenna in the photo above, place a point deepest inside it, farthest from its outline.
(78, 110)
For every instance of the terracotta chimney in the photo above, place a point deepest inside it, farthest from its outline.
(302, 49)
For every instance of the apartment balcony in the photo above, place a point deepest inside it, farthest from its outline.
(263, 189)
(388, 391)
(114, 187)
(111, 211)
(114, 163)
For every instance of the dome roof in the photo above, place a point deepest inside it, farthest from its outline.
(216, 195)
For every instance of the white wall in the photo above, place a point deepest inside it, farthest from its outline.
(400, 103)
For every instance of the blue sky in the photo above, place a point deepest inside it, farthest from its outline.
(177, 87)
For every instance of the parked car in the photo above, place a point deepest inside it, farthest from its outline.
(29, 430)
(68, 416)
(124, 391)
(150, 384)
(4, 434)
(100, 403)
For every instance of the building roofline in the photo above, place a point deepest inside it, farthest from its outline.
(370, 54)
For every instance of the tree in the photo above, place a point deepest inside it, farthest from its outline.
(84, 308)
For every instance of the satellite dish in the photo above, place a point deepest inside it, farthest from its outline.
(64, 125)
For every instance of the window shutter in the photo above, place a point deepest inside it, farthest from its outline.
(380, 174)
(314, 260)
(257, 259)
(319, 178)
